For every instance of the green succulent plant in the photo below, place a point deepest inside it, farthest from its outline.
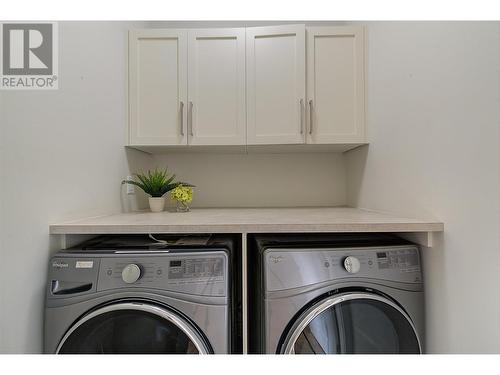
(156, 182)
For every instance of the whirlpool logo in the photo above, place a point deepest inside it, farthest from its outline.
(29, 56)
(60, 265)
(275, 259)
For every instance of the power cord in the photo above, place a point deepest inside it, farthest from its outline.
(158, 242)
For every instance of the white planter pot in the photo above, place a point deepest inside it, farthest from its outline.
(156, 204)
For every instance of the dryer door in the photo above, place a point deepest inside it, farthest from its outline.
(130, 328)
(352, 323)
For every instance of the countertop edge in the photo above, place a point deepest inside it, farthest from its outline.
(245, 228)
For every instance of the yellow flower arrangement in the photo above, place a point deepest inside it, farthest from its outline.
(183, 195)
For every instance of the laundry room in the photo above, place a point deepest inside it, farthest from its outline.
(250, 185)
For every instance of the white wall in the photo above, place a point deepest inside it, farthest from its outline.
(2, 225)
(433, 116)
(61, 157)
(261, 180)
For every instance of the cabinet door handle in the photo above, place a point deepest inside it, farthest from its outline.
(301, 102)
(310, 116)
(190, 119)
(182, 118)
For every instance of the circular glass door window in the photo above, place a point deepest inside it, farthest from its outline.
(361, 324)
(132, 329)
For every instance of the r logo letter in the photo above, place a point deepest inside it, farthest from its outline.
(27, 49)
(16, 55)
(35, 42)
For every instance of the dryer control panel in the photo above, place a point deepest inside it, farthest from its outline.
(294, 268)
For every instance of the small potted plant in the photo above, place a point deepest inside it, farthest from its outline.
(183, 195)
(156, 184)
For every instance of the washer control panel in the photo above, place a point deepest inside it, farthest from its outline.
(200, 274)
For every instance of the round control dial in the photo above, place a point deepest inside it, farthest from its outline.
(131, 273)
(351, 264)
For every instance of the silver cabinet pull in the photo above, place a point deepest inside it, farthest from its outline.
(310, 116)
(301, 116)
(182, 118)
(190, 118)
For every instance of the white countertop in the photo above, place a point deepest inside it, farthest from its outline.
(248, 220)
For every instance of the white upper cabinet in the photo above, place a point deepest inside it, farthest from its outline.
(158, 87)
(335, 85)
(275, 84)
(257, 86)
(216, 87)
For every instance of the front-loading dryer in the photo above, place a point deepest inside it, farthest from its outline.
(333, 294)
(134, 295)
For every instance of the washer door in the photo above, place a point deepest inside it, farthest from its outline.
(352, 323)
(132, 327)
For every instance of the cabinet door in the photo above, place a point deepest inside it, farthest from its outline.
(216, 89)
(158, 86)
(335, 85)
(275, 84)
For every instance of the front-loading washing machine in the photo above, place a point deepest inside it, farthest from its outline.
(130, 294)
(328, 294)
